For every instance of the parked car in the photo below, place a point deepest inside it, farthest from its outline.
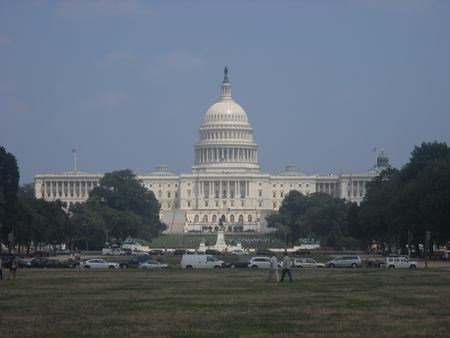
(152, 265)
(241, 263)
(51, 263)
(134, 262)
(96, 263)
(379, 263)
(214, 252)
(63, 252)
(301, 252)
(239, 253)
(156, 252)
(181, 252)
(264, 252)
(397, 255)
(400, 263)
(20, 262)
(36, 261)
(306, 263)
(349, 261)
(260, 262)
(139, 253)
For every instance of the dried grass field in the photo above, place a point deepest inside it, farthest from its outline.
(225, 303)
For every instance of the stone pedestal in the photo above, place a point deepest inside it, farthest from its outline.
(220, 244)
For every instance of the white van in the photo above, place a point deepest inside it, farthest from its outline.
(200, 262)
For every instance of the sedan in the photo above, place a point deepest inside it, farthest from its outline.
(152, 265)
(97, 263)
(306, 263)
(51, 263)
(241, 263)
(239, 253)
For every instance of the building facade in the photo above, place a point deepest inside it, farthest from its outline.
(225, 181)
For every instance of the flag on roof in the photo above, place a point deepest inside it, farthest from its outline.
(74, 150)
(374, 149)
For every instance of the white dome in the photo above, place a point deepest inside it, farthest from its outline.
(226, 111)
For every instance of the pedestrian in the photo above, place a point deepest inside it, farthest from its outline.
(286, 267)
(273, 268)
(12, 263)
(446, 256)
(1, 267)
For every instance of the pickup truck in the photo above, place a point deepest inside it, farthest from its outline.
(113, 252)
(134, 262)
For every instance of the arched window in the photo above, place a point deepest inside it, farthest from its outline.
(196, 219)
(281, 194)
(205, 219)
(241, 218)
(232, 218)
(214, 218)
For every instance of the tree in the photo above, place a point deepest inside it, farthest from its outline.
(9, 185)
(123, 192)
(316, 216)
(87, 222)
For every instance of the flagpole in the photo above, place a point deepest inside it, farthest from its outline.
(75, 161)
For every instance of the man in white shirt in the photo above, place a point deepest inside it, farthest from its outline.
(273, 268)
(286, 267)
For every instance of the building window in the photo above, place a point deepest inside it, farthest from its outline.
(168, 205)
(249, 218)
(189, 204)
(274, 194)
(168, 194)
(217, 204)
(189, 193)
(260, 183)
(206, 203)
(260, 193)
(281, 194)
(160, 194)
(242, 203)
(232, 218)
(176, 195)
(260, 204)
(274, 205)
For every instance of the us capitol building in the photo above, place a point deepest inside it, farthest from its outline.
(225, 182)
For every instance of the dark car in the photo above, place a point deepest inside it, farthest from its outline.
(181, 252)
(156, 252)
(20, 262)
(134, 262)
(214, 252)
(302, 252)
(241, 263)
(265, 252)
(50, 263)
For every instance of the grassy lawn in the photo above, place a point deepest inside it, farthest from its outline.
(225, 303)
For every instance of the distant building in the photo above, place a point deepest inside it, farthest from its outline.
(225, 181)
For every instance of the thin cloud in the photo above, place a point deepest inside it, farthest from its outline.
(111, 98)
(118, 58)
(104, 8)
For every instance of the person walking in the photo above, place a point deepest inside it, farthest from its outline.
(273, 268)
(12, 263)
(286, 267)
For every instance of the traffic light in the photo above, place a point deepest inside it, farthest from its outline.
(10, 237)
(428, 235)
(411, 237)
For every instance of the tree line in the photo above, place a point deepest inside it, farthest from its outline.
(120, 206)
(412, 200)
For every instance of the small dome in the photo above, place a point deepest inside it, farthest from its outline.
(291, 170)
(161, 170)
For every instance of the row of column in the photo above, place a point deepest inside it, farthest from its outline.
(328, 188)
(226, 155)
(64, 189)
(356, 188)
(209, 189)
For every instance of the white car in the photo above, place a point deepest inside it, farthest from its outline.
(306, 263)
(260, 262)
(97, 263)
(239, 253)
(399, 263)
(152, 265)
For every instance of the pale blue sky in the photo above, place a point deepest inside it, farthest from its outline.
(128, 83)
